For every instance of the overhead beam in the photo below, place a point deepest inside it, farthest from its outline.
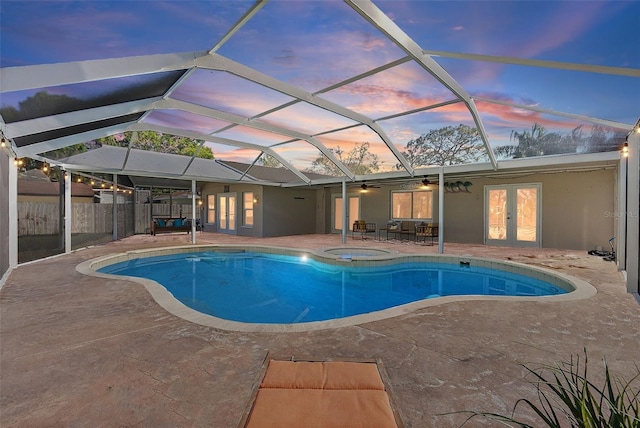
(64, 120)
(251, 123)
(382, 22)
(239, 24)
(45, 75)
(610, 123)
(212, 138)
(58, 143)
(603, 69)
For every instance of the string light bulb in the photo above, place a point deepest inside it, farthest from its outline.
(625, 150)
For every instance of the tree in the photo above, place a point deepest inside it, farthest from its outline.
(158, 142)
(39, 105)
(445, 146)
(538, 142)
(269, 161)
(358, 160)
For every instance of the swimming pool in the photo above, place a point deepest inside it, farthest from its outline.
(284, 287)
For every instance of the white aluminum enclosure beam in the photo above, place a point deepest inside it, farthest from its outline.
(58, 143)
(13, 213)
(193, 211)
(67, 213)
(603, 69)
(633, 211)
(64, 120)
(239, 24)
(256, 124)
(218, 62)
(214, 139)
(382, 22)
(609, 123)
(45, 75)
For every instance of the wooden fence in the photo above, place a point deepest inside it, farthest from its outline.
(40, 218)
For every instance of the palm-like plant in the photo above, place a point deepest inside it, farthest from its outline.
(568, 398)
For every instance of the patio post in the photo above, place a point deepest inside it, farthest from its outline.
(115, 207)
(633, 210)
(13, 212)
(193, 211)
(441, 211)
(67, 212)
(621, 232)
(344, 211)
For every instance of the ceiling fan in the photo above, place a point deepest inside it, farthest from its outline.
(365, 186)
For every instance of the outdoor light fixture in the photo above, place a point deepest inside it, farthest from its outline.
(45, 168)
(625, 150)
(255, 199)
(426, 182)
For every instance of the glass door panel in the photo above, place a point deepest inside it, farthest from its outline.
(527, 214)
(353, 211)
(512, 215)
(227, 213)
(497, 214)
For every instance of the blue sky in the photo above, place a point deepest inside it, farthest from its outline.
(313, 44)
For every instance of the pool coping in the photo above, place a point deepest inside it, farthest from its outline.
(581, 289)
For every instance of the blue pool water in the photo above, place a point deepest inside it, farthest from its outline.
(270, 288)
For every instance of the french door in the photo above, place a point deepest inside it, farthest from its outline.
(513, 215)
(353, 211)
(227, 213)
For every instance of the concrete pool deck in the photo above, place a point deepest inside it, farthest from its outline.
(77, 350)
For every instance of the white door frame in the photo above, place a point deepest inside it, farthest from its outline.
(227, 213)
(334, 213)
(512, 215)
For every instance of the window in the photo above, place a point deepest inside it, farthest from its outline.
(247, 209)
(211, 208)
(412, 205)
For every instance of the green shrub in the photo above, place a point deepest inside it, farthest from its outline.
(566, 397)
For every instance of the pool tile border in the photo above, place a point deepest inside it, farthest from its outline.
(578, 289)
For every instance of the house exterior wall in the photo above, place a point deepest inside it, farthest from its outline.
(4, 212)
(258, 210)
(288, 211)
(577, 208)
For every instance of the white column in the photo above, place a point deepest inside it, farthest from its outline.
(633, 210)
(13, 213)
(344, 211)
(67, 212)
(620, 217)
(115, 207)
(441, 211)
(193, 211)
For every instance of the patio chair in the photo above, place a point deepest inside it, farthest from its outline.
(321, 394)
(361, 227)
(424, 231)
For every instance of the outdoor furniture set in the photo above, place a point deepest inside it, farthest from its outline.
(404, 231)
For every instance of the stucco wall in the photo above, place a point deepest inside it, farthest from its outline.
(289, 211)
(574, 209)
(4, 213)
(577, 208)
(258, 209)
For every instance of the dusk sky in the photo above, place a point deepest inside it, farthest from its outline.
(315, 44)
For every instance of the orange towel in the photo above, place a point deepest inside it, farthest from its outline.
(334, 394)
